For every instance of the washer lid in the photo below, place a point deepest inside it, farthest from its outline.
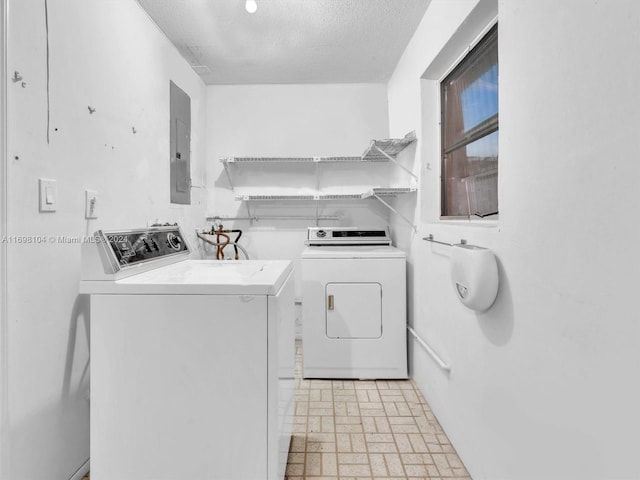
(368, 251)
(200, 277)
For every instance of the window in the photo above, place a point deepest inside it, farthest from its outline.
(469, 100)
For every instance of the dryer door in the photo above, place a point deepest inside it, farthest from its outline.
(353, 310)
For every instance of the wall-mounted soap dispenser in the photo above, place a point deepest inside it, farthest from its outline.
(474, 273)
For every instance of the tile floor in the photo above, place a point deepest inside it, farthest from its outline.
(366, 430)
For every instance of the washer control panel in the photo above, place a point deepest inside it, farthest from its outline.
(326, 236)
(131, 247)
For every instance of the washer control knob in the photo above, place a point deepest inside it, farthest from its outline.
(321, 233)
(174, 241)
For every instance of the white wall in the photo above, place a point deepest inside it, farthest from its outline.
(544, 384)
(110, 56)
(3, 225)
(293, 121)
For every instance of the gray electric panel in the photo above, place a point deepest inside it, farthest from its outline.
(180, 145)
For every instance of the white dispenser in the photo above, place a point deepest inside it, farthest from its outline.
(474, 273)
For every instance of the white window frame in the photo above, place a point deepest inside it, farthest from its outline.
(489, 219)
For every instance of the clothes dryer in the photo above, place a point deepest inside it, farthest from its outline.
(354, 304)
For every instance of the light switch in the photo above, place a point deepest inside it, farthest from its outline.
(90, 204)
(48, 190)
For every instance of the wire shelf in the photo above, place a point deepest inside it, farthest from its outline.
(391, 147)
(250, 198)
(293, 197)
(256, 218)
(393, 192)
(378, 191)
(227, 160)
(377, 151)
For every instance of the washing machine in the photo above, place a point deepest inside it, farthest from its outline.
(353, 304)
(192, 361)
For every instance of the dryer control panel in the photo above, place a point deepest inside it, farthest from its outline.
(326, 236)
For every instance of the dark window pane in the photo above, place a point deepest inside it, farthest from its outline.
(471, 94)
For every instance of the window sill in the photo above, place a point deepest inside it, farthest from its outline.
(464, 222)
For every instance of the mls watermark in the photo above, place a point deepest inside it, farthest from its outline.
(48, 239)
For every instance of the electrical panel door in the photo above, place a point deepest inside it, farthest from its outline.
(353, 310)
(180, 145)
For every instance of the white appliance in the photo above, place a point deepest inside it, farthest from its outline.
(353, 304)
(192, 361)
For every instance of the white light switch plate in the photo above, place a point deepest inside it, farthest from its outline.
(48, 190)
(90, 204)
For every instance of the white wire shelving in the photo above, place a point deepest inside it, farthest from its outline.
(377, 151)
(360, 195)
(228, 160)
(381, 150)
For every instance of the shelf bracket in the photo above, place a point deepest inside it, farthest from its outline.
(415, 177)
(415, 229)
(246, 204)
(226, 171)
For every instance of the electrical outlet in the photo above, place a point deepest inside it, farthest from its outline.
(90, 204)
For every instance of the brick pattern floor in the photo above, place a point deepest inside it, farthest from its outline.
(365, 430)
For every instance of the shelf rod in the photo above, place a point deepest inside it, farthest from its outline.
(396, 162)
(276, 217)
(429, 238)
(441, 363)
(415, 229)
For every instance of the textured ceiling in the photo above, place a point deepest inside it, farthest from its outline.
(289, 41)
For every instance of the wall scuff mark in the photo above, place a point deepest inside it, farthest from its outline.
(17, 78)
(46, 27)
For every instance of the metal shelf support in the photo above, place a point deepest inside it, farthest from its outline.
(246, 204)
(408, 221)
(226, 171)
(415, 177)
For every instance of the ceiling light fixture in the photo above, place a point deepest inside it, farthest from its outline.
(251, 6)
